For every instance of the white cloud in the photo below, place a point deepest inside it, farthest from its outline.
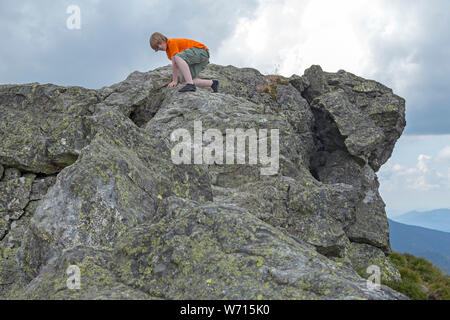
(415, 178)
(444, 154)
(419, 178)
(420, 184)
(289, 36)
(421, 164)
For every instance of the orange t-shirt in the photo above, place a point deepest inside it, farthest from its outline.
(177, 45)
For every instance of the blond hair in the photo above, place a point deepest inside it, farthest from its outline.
(156, 39)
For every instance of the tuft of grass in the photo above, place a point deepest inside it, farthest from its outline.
(270, 85)
(267, 88)
(421, 280)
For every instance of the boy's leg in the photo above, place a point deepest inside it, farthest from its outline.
(195, 60)
(181, 79)
(199, 82)
(201, 62)
(202, 83)
(183, 67)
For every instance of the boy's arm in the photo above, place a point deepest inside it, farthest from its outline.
(174, 72)
(174, 76)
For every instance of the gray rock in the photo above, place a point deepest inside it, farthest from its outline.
(100, 189)
(12, 173)
(373, 106)
(41, 186)
(14, 197)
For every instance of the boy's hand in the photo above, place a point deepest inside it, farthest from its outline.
(172, 84)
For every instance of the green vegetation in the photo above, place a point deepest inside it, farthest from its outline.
(418, 273)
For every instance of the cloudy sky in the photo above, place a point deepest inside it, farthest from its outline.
(403, 44)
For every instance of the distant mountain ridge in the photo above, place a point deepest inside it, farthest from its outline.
(421, 242)
(438, 219)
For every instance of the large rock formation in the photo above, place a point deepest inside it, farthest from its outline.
(87, 179)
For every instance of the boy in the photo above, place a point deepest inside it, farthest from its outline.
(188, 57)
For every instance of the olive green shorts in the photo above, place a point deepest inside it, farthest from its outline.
(196, 58)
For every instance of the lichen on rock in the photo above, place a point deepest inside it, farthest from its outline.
(87, 179)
